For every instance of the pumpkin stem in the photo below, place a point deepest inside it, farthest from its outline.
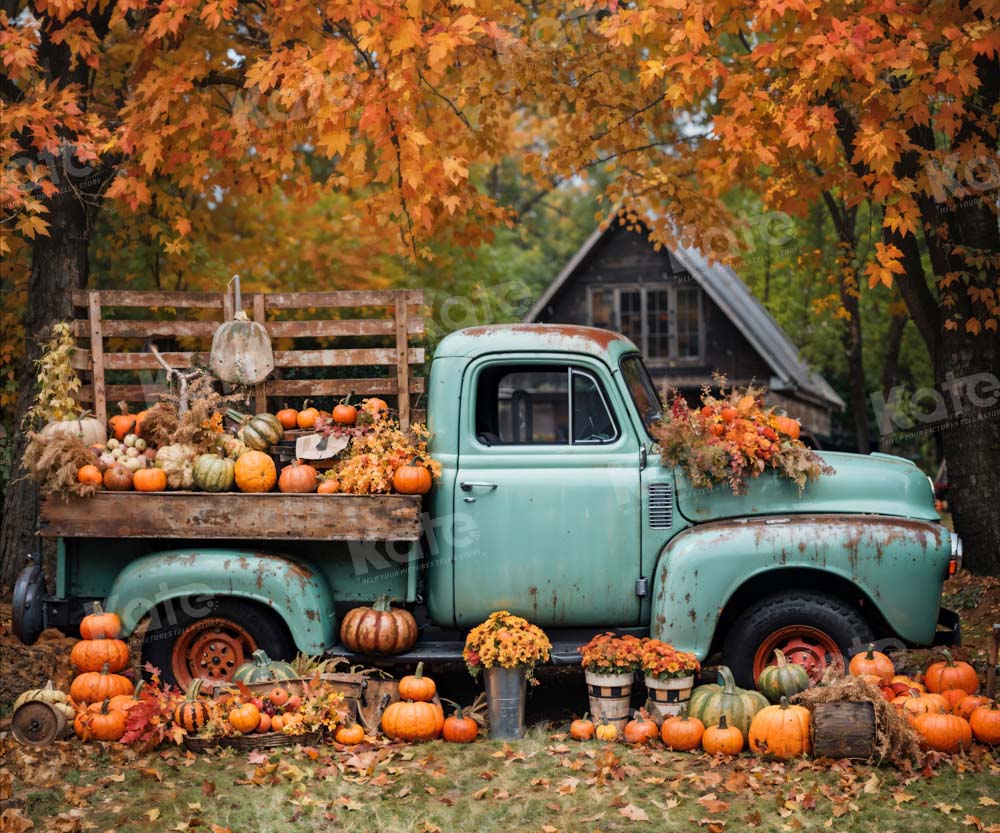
(870, 653)
(382, 604)
(779, 656)
(106, 668)
(138, 687)
(193, 689)
(727, 680)
(947, 655)
(260, 657)
(96, 610)
(784, 702)
(104, 706)
(722, 721)
(419, 673)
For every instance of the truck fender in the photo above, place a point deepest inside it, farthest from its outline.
(899, 564)
(295, 590)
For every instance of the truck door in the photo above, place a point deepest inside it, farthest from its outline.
(548, 494)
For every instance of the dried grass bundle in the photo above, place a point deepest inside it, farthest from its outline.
(895, 740)
(188, 417)
(52, 462)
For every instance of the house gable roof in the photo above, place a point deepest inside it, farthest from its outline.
(725, 288)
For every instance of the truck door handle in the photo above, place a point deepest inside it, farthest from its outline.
(469, 485)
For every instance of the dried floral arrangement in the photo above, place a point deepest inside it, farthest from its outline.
(732, 438)
(377, 449)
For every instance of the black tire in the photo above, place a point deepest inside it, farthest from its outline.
(171, 621)
(839, 620)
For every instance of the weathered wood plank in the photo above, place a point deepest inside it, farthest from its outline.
(339, 387)
(260, 389)
(130, 393)
(97, 356)
(160, 300)
(149, 329)
(343, 298)
(147, 361)
(844, 730)
(234, 516)
(345, 327)
(360, 357)
(403, 363)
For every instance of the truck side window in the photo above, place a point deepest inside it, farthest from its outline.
(541, 405)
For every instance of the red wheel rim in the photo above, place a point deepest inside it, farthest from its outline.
(813, 649)
(211, 650)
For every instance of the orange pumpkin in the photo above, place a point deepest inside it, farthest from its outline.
(122, 424)
(722, 739)
(413, 721)
(100, 625)
(350, 734)
(416, 686)
(412, 479)
(872, 662)
(245, 718)
(95, 686)
(954, 696)
(787, 425)
(139, 417)
(582, 729)
(948, 673)
(124, 702)
(781, 731)
(328, 486)
(985, 723)
(288, 417)
(916, 703)
(459, 729)
(265, 725)
(255, 472)
(345, 413)
(682, 734)
(376, 408)
(297, 478)
(90, 475)
(640, 730)
(278, 696)
(967, 705)
(93, 654)
(307, 417)
(944, 732)
(100, 722)
(150, 480)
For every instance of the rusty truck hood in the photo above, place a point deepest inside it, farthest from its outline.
(877, 484)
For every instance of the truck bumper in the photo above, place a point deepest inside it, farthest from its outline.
(33, 609)
(949, 628)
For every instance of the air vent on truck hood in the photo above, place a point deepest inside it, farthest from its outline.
(661, 506)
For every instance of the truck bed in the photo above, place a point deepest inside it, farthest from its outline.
(234, 516)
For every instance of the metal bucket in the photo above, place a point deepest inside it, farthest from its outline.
(610, 697)
(506, 690)
(668, 697)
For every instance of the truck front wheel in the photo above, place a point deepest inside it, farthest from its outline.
(814, 630)
(213, 640)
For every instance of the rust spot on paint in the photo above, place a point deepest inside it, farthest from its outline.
(312, 615)
(693, 615)
(552, 332)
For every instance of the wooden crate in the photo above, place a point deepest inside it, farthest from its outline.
(118, 327)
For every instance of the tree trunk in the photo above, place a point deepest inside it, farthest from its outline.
(890, 368)
(59, 265)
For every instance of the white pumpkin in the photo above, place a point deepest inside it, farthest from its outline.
(88, 429)
(51, 695)
(177, 460)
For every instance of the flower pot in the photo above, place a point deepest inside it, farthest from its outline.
(610, 697)
(667, 697)
(506, 689)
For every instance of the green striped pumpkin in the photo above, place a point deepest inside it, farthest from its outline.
(214, 472)
(261, 432)
(709, 702)
(263, 669)
(782, 680)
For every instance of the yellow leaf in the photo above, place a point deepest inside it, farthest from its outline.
(153, 814)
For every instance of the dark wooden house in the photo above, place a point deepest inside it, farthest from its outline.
(689, 318)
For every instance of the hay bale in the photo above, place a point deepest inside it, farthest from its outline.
(895, 739)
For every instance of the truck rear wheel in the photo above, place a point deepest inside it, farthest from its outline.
(814, 630)
(211, 646)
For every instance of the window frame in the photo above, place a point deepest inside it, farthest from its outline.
(673, 358)
(571, 370)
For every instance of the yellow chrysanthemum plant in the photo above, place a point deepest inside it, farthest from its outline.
(507, 641)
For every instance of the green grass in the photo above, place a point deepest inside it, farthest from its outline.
(543, 783)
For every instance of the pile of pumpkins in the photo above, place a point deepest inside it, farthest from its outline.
(416, 717)
(101, 695)
(944, 708)
(721, 718)
(126, 461)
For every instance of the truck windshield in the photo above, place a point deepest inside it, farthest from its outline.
(640, 388)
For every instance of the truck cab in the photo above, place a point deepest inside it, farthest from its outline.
(553, 504)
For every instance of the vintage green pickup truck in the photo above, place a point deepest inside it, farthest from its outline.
(553, 504)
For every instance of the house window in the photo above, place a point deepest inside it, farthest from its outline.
(665, 322)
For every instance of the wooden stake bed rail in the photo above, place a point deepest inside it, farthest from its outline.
(119, 326)
(234, 516)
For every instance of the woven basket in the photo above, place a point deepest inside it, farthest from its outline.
(270, 740)
(200, 744)
(296, 686)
